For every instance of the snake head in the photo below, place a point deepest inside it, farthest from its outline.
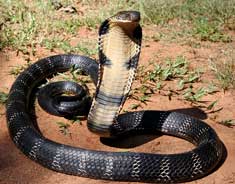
(126, 17)
(128, 21)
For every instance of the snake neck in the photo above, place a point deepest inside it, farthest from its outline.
(119, 49)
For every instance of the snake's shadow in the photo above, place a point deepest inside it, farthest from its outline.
(133, 139)
(129, 141)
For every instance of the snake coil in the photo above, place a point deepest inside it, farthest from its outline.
(122, 166)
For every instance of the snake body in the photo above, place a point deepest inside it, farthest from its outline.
(119, 49)
(104, 119)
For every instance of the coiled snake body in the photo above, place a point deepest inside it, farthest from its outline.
(116, 72)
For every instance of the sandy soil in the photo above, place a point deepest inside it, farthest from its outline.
(16, 168)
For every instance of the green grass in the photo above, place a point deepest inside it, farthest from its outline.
(172, 78)
(206, 31)
(3, 97)
(21, 23)
(24, 25)
(228, 123)
(224, 71)
(87, 48)
(171, 69)
(194, 96)
(64, 128)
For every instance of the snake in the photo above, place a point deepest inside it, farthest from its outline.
(119, 48)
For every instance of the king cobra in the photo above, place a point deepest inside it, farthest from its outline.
(119, 48)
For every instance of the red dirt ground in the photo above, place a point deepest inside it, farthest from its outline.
(17, 168)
